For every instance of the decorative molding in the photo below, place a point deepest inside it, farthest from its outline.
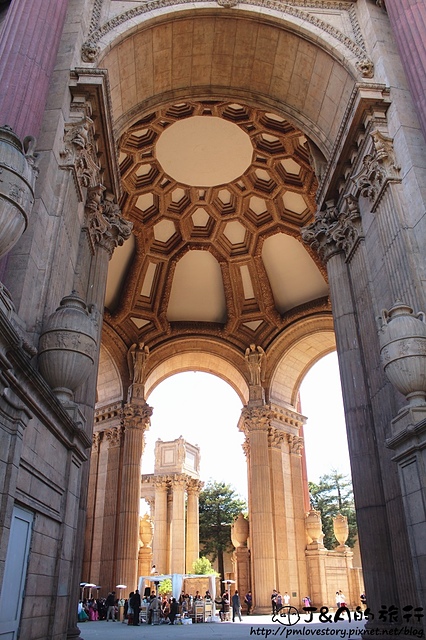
(90, 48)
(379, 168)
(79, 154)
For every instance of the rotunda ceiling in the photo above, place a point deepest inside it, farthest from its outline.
(217, 192)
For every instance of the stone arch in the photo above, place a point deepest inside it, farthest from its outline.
(292, 65)
(201, 359)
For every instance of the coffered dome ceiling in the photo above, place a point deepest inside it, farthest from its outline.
(217, 193)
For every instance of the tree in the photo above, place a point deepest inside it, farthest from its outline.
(165, 587)
(202, 566)
(219, 505)
(332, 495)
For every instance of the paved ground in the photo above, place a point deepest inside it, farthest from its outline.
(251, 626)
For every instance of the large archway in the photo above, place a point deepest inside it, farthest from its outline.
(218, 180)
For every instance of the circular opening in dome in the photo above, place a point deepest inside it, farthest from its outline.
(204, 151)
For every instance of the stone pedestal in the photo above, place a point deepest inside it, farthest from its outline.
(409, 444)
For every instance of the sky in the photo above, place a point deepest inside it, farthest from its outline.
(205, 411)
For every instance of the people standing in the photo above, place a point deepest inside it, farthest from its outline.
(236, 606)
(136, 606)
(274, 601)
(249, 602)
(110, 605)
(174, 608)
(286, 599)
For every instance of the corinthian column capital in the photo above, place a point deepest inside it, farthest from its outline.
(334, 230)
(194, 486)
(137, 416)
(256, 418)
(275, 437)
(295, 444)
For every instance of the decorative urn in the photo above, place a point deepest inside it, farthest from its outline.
(240, 531)
(341, 529)
(402, 336)
(146, 530)
(67, 346)
(18, 175)
(313, 526)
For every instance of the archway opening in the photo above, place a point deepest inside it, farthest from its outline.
(326, 444)
(204, 410)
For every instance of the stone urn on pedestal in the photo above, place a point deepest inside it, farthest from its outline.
(313, 527)
(18, 176)
(67, 346)
(146, 534)
(240, 531)
(341, 530)
(402, 336)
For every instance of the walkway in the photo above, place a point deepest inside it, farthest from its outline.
(251, 627)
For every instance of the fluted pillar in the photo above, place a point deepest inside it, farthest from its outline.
(281, 496)
(337, 236)
(160, 544)
(192, 523)
(30, 39)
(107, 567)
(177, 534)
(255, 424)
(408, 21)
(136, 421)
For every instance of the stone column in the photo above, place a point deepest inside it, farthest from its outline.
(113, 438)
(336, 235)
(177, 534)
(295, 446)
(136, 419)
(408, 21)
(281, 495)
(256, 422)
(192, 523)
(30, 39)
(160, 546)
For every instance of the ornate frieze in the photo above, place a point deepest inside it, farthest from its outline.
(333, 230)
(104, 224)
(295, 8)
(379, 167)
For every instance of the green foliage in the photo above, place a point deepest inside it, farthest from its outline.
(219, 505)
(165, 587)
(332, 495)
(202, 566)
